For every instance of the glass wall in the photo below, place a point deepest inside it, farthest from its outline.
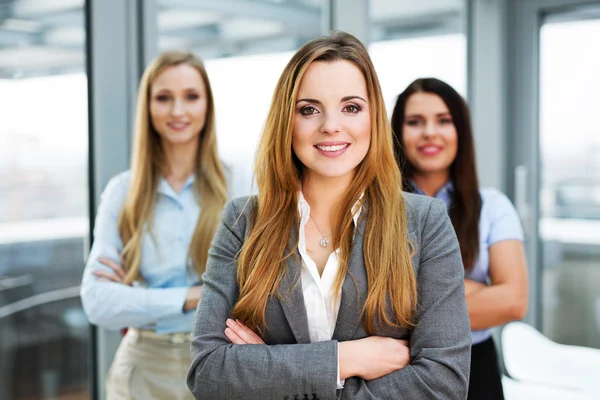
(44, 334)
(415, 39)
(570, 180)
(245, 45)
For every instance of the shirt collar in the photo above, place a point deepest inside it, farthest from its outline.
(165, 189)
(445, 193)
(304, 209)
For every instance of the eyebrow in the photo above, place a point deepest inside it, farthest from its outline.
(442, 114)
(169, 90)
(346, 98)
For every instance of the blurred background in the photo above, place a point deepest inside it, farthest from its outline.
(69, 70)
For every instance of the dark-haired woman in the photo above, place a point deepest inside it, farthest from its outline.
(435, 151)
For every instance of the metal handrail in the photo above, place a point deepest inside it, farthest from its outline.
(38, 300)
(15, 282)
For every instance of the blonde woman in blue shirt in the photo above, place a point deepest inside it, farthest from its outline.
(153, 230)
(435, 151)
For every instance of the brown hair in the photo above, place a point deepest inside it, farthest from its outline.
(392, 296)
(466, 199)
(146, 166)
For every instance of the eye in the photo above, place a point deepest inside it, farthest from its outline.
(352, 108)
(413, 122)
(308, 110)
(162, 98)
(193, 96)
(445, 120)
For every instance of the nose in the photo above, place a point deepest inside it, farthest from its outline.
(331, 124)
(178, 108)
(429, 129)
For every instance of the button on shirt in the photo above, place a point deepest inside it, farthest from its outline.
(498, 221)
(156, 303)
(319, 296)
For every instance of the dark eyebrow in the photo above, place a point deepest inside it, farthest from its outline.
(346, 98)
(309, 101)
(442, 114)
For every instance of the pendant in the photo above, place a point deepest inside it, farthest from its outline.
(324, 242)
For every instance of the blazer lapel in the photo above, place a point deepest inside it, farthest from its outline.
(354, 289)
(292, 300)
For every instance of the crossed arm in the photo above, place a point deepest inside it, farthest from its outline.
(106, 300)
(505, 299)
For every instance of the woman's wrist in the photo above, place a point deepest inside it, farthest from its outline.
(188, 305)
(472, 286)
(347, 363)
(191, 298)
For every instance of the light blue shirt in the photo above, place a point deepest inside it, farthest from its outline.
(498, 221)
(157, 303)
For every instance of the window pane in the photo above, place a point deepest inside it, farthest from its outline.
(44, 333)
(570, 181)
(412, 39)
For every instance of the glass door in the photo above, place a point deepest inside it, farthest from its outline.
(569, 173)
(553, 81)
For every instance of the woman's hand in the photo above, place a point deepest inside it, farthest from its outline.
(472, 286)
(192, 298)
(117, 275)
(239, 333)
(372, 357)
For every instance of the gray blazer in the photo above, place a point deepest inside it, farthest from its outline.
(289, 365)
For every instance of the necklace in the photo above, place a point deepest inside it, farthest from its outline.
(323, 242)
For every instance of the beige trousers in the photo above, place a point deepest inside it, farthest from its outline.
(149, 369)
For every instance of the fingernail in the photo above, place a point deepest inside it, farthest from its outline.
(230, 322)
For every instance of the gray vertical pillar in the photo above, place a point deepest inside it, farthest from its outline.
(486, 76)
(327, 17)
(147, 31)
(114, 66)
(351, 16)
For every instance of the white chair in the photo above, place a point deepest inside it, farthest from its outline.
(531, 358)
(515, 390)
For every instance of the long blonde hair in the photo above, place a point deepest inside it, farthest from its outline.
(147, 163)
(392, 294)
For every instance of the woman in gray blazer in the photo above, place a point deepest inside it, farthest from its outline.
(331, 283)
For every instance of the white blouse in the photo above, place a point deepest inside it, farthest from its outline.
(319, 297)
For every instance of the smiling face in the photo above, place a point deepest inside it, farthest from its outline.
(332, 123)
(178, 105)
(429, 135)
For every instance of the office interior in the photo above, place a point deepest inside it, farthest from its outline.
(69, 71)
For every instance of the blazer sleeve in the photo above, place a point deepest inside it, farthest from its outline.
(221, 370)
(440, 344)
